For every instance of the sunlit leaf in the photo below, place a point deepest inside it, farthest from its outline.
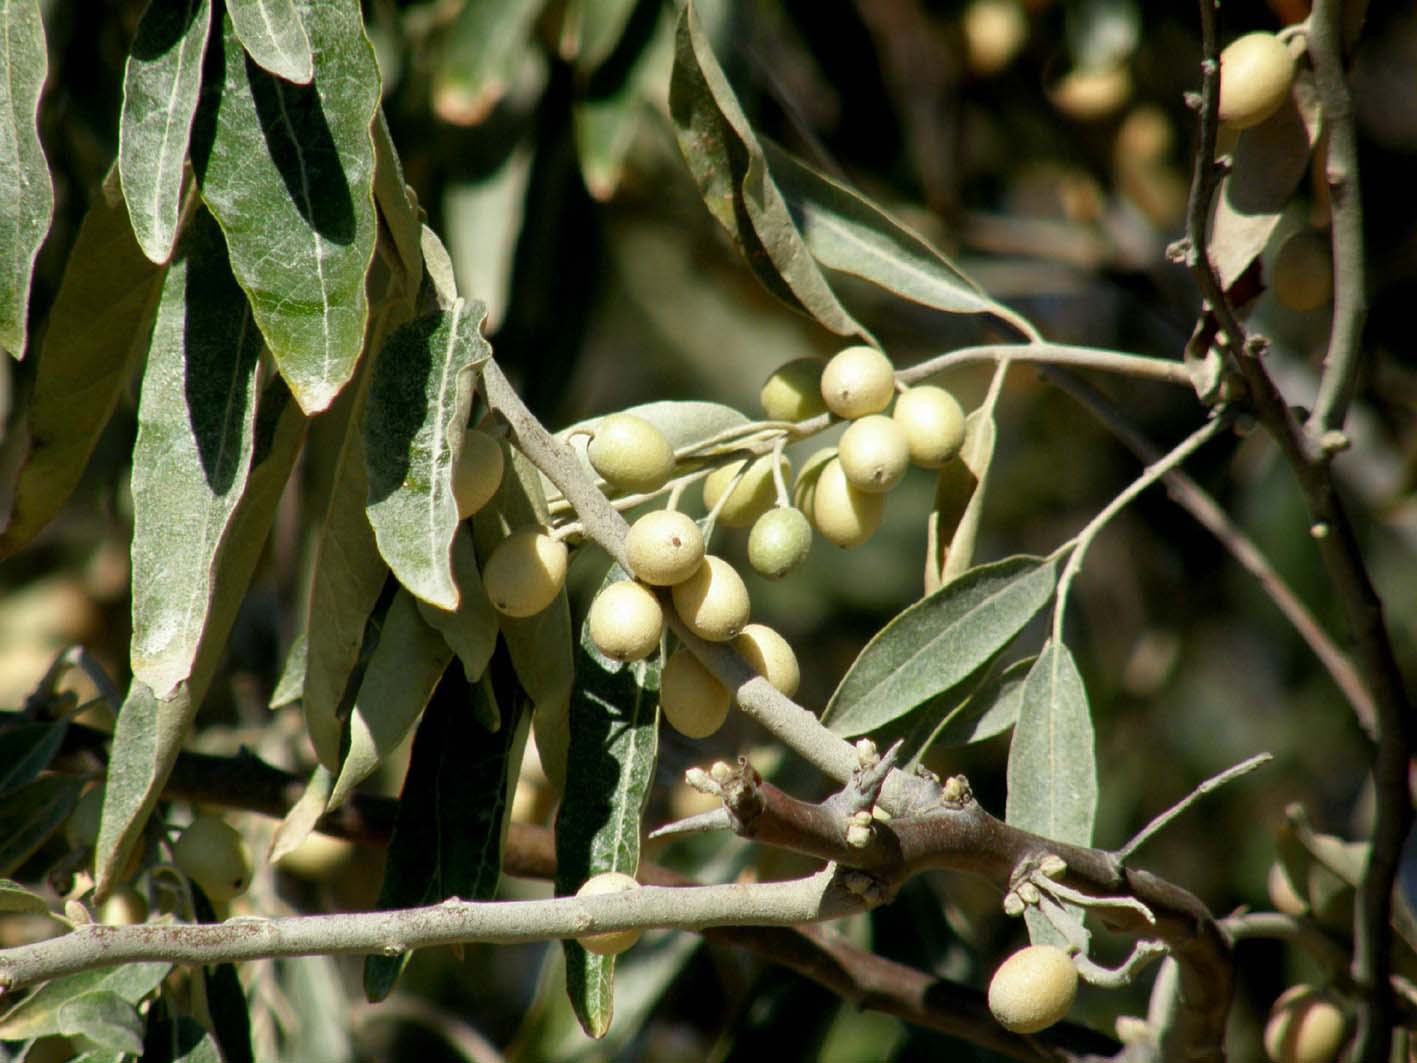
(939, 641)
(27, 206)
(397, 204)
(98, 327)
(964, 483)
(483, 51)
(30, 814)
(104, 1018)
(161, 85)
(303, 815)
(38, 1014)
(414, 421)
(288, 170)
(273, 35)
(16, 898)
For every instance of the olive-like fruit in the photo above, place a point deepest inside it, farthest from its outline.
(125, 907)
(692, 700)
(873, 453)
(794, 391)
(1301, 276)
(994, 31)
(713, 602)
(933, 424)
(804, 491)
(664, 548)
(525, 572)
(630, 454)
(779, 541)
(1033, 989)
(616, 941)
(1088, 94)
(626, 621)
(478, 473)
(770, 655)
(1305, 1025)
(1256, 71)
(844, 515)
(212, 853)
(857, 381)
(755, 494)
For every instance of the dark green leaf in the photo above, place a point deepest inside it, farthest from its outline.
(273, 35)
(27, 207)
(161, 85)
(29, 815)
(727, 162)
(448, 836)
(15, 898)
(178, 1040)
(414, 420)
(484, 50)
(38, 1014)
(98, 326)
(939, 641)
(26, 750)
(288, 170)
(471, 629)
(231, 1016)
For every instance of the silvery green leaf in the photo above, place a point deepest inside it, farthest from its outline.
(273, 34)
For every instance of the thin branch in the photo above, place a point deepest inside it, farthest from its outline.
(1210, 785)
(1161, 370)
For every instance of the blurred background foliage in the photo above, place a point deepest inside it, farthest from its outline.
(1044, 144)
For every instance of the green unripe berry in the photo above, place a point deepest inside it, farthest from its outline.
(873, 453)
(630, 454)
(626, 621)
(845, 516)
(616, 941)
(692, 700)
(1033, 989)
(212, 853)
(478, 473)
(755, 494)
(1305, 1026)
(1256, 71)
(125, 907)
(794, 391)
(858, 381)
(770, 655)
(804, 491)
(779, 541)
(525, 572)
(933, 424)
(713, 602)
(1302, 275)
(664, 548)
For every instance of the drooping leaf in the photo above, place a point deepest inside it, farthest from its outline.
(727, 162)
(303, 815)
(162, 82)
(292, 674)
(484, 214)
(599, 27)
(959, 496)
(104, 1018)
(938, 642)
(448, 837)
(178, 1040)
(27, 207)
(288, 170)
(471, 628)
(38, 1014)
(16, 898)
(614, 743)
(273, 34)
(30, 814)
(848, 233)
(26, 750)
(976, 709)
(196, 438)
(414, 420)
(98, 326)
(484, 49)
(397, 205)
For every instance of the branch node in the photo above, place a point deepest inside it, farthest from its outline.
(956, 792)
(1179, 251)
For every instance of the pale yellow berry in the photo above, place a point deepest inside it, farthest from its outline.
(212, 853)
(755, 494)
(779, 542)
(1302, 275)
(1088, 94)
(804, 491)
(873, 453)
(713, 602)
(1256, 71)
(525, 572)
(630, 453)
(845, 516)
(616, 941)
(692, 700)
(794, 391)
(478, 472)
(858, 381)
(1305, 1025)
(317, 857)
(1033, 989)
(125, 907)
(626, 621)
(933, 424)
(770, 655)
(994, 31)
(664, 547)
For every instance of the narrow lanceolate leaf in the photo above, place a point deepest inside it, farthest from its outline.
(448, 837)
(15, 898)
(161, 85)
(974, 710)
(397, 205)
(960, 493)
(614, 741)
(417, 411)
(27, 205)
(38, 1014)
(196, 435)
(288, 170)
(848, 233)
(471, 628)
(300, 821)
(26, 750)
(31, 813)
(103, 1018)
(483, 51)
(402, 675)
(939, 642)
(99, 324)
(728, 164)
(273, 34)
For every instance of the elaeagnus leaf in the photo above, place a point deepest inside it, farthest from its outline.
(38, 1014)
(471, 628)
(273, 35)
(483, 50)
(161, 85)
